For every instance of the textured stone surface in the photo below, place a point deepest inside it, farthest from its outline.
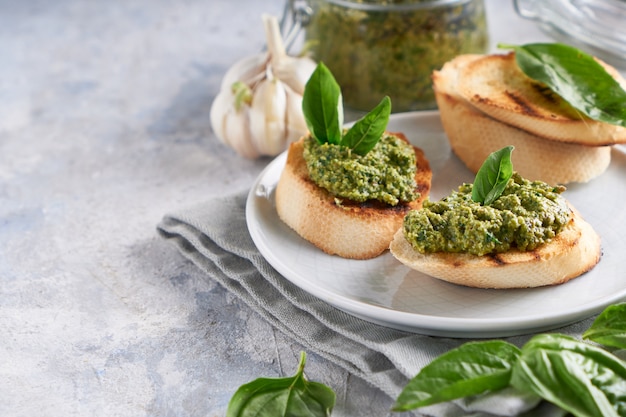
(103, 129)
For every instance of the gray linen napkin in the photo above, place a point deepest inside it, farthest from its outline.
(214, 236)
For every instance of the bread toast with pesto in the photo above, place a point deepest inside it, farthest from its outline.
(572, 252)
(348, 229)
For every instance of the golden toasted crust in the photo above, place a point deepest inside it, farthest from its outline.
(350, 230)
(473, 135)
(574, 251)
(495, 85)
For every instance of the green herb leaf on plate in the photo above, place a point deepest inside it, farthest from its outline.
(322, 106)
(472, 368)
(368, 130)
(580, 378)
(575, 76)
(492, 177)
(282, 397)
(609, 328)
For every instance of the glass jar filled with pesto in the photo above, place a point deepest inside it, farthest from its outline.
(390, 47)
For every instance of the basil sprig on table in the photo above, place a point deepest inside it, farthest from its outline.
(492, 177)
(322, 107)
(282, 397)
(471, 369)
(580, 378)
(609, 328)
(575, 76)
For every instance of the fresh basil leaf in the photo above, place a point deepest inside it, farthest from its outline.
(580, 378)
(609, 328)
(281, 397)
(492, 177)
(322, 106)
(368, 130)
(575, 76)
(472, 368)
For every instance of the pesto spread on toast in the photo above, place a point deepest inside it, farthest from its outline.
(386, 173)
(526, 215)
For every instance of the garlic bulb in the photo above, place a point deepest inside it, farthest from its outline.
(258, 110)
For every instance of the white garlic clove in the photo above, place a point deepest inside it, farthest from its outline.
(248, 70)
(218, 112)
(295, 72)
(296, 125)
(267, 117)
(232, 126)
(237, 132)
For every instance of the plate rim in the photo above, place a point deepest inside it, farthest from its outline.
(464, 327)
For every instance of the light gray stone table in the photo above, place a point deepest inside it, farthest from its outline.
(104, 127)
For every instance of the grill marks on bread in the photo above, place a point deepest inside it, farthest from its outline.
(497, 87)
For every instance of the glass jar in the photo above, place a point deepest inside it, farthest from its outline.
(391, 47)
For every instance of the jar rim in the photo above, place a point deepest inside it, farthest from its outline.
(376, 6)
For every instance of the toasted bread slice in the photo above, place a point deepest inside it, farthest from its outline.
(495, 85)
(350, 230)
(574, 251)
(473, 135)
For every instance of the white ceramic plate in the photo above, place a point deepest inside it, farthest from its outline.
(383, 291)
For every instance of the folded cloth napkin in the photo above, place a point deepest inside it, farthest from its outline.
(214, 236)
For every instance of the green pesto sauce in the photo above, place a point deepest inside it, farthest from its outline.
(386, 173)
(525, 216)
